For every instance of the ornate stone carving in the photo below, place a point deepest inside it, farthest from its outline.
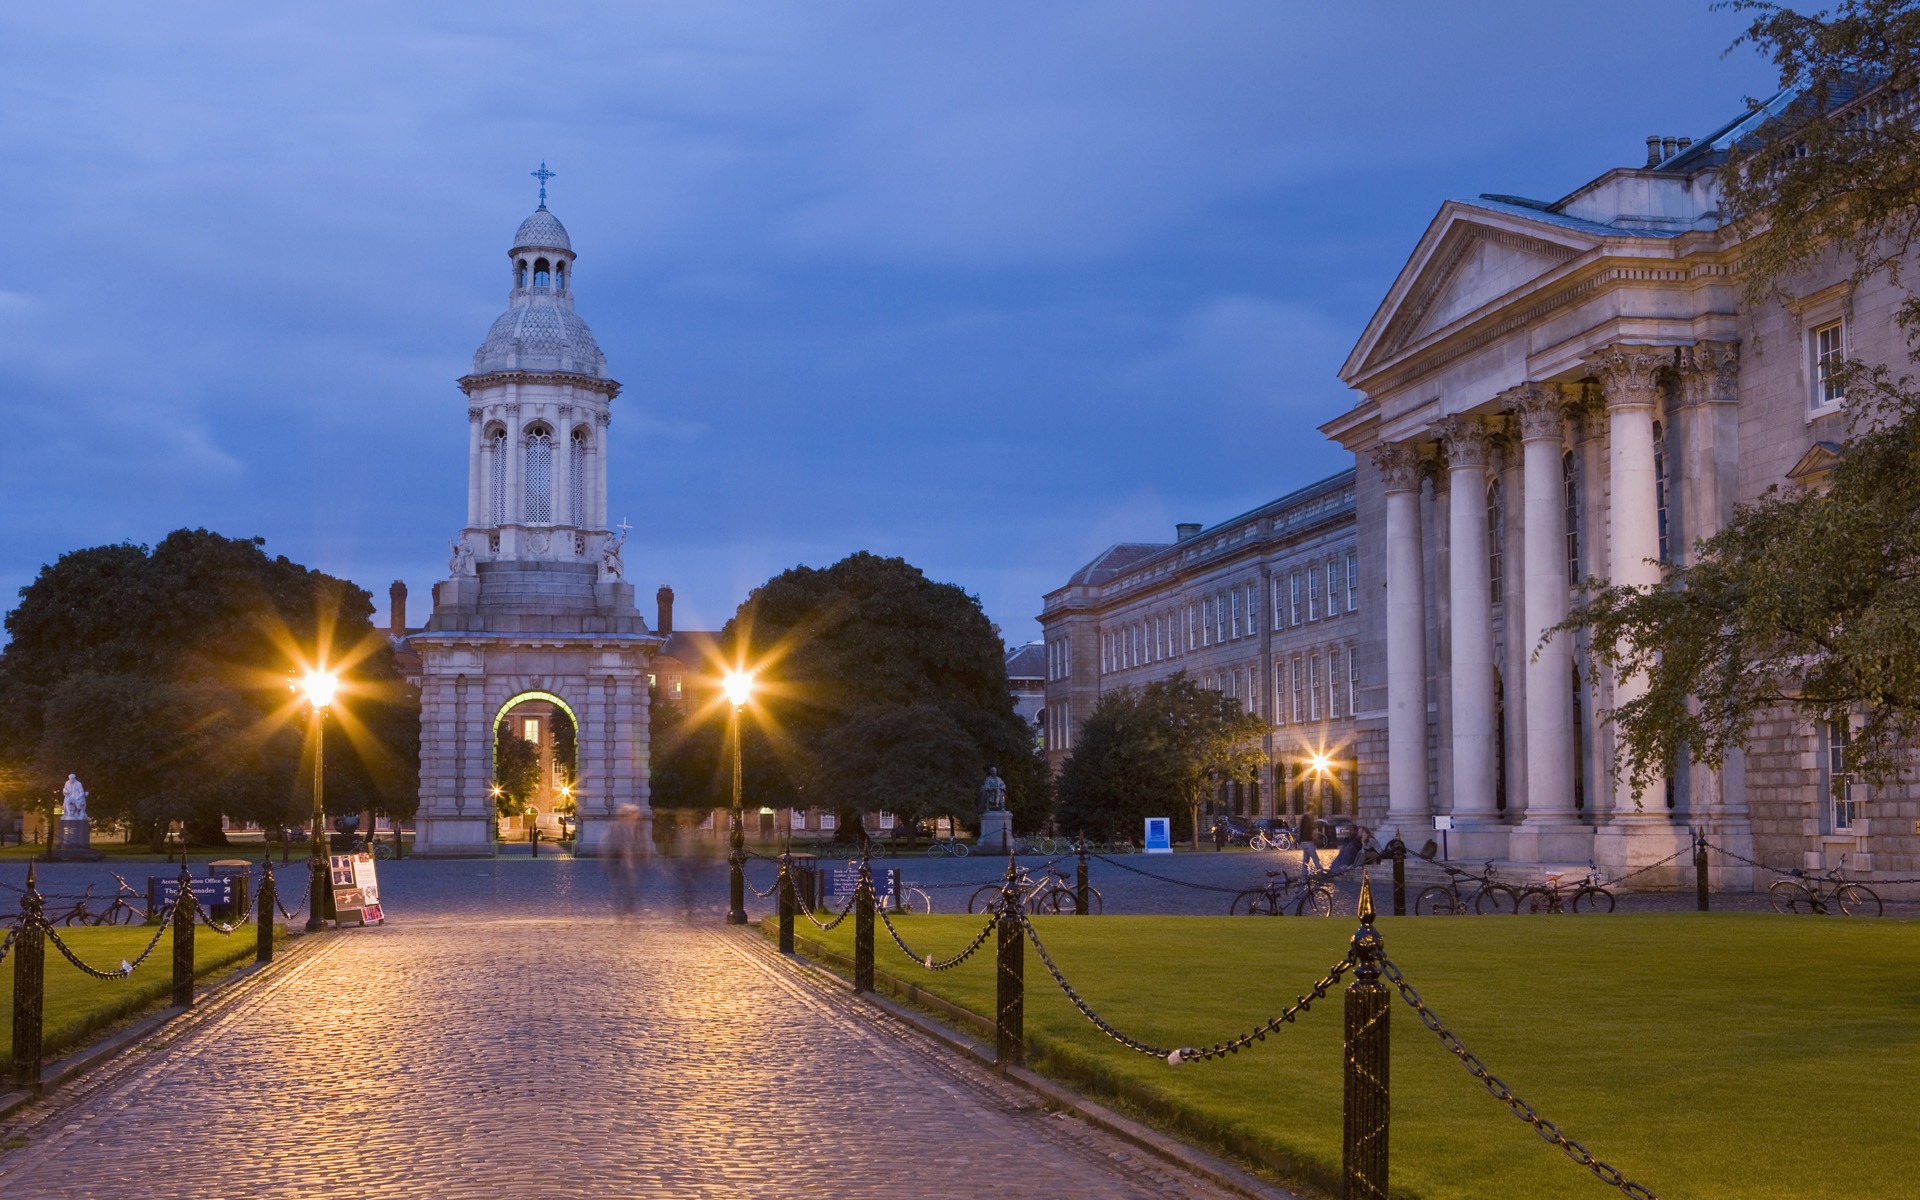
(1630, 374)
(1538, 409)
(539, 542)
(1399, 466)
(1710, 373)
(474, 413)
(1465, 439)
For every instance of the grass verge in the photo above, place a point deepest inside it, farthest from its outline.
(78, 1005)
(1691, 1051)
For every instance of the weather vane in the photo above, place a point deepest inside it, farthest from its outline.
(543, 175)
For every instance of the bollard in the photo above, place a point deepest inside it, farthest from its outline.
(786, 904)
(29, 986)
(863, 928)
(1009, 990)
(1399, 850)
(1700, 881)
(263, 924)
(533, 839)
(1080, 884)
(1363, 1156)
(183, 941)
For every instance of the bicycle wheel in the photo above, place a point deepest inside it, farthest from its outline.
(79, 916)
(1534, 900)
(1789, 896)
(984, 898)
(1254, 902)
(1067, 901)
(1317, 902)
(1496, 898)
(1593, 899)
(936, 850)
(119, 914)
(1859, 900)
(1438, 901)
(916, 900)
(960, 850)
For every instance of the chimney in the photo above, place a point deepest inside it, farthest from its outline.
(1184, 531)
(1684, 143)
(397, 609)
(1669, 147)
(1653, 149)
(664, 597)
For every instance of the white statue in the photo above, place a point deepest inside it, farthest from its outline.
(610, 565)
(73, 799)
(462, 561)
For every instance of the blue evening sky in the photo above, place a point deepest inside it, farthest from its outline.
(986, 285)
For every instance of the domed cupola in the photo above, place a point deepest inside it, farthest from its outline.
(540, 331)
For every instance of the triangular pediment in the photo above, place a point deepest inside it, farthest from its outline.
(1469, 258)
(1816, 464)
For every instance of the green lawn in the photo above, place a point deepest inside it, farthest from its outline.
(78, 1004)
(1742, 1056)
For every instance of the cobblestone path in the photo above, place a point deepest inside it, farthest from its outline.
(551, 1058)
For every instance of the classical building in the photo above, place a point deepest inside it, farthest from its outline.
(1268, 608)
(1567, 388)
(1027, 683)
(535, 612)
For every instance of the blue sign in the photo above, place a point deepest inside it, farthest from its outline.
(840, 881)
(1159, 835)
(161, 890)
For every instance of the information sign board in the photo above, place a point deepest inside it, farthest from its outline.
(1159, 835)
(356, 889)
(161, 889)
(841, 881)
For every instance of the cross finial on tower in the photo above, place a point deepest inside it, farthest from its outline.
(543, 175)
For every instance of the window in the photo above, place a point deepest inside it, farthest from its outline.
(1313, 687)
(1829, 351)
(1220, 617)
(530, 730)
(497, 503)
(1353, 581)
(1193, 620)
(560, 275)
(1333, 588)
(1279, 691)
(1570, 496)
(1660, 486)
(520, 274)
(1235, 693)
(542, 275)
(1335, 677)
(1293, 605)
(1277, 622)
(1139, 644)
(1313, 593)
(1206, 622)
(1299, 692)
(1496, 529)
(1841, 801)
(1353, 680)
(1253, 608)
(539, 499)
(1235, 601)
(577, 478)
(1106, 652)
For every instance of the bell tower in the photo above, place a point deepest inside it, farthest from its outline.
(536, 610)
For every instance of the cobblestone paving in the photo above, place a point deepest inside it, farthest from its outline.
(464, 1053)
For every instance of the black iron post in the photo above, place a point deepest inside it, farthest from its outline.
(263, 924)
(1010, 987)
(1363, 1158)
(319, 879)
(183, 941)
(786, 903)
(1080, 884)
(29, 985)
(736, 837)
(1398, 849)
(863, 927)
(533, 835)
(1701, 884)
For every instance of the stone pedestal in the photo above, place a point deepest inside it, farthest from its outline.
(1551, 841)
(453, 837)
(1477, 839)
(996, 833)
(1631, 841)
(73, 842)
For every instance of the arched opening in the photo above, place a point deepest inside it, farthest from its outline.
(577, 477)
(542, 273)
(560, 275)
(497, 475)
(520, 273)
(536, 760)
(539, 475)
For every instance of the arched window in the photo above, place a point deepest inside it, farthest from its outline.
(1496, 529)
(497, 477)
(542, 275)
(520, 273)
(1660, 485)
(539, 475)
(560, 275)
(577, 478)
(1570, 496)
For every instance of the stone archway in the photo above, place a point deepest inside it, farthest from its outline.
(540, 733)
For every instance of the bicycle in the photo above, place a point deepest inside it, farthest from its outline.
(120, 912)
(950, 847)
(1446, 899)
(1801, 892)
(909, 899)
(1277, 839)
(1277, 897)
(1550, 897)
(79, 914)
(1051, 893)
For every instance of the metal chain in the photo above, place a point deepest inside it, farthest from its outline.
(827, 925)
(1203, 887)
(7, 945)
(1188, 1054)
(1548, 1131)
(927, 961)
(771, 888)
(206, 918)
(126, 968)
(1780, 871)
(1650, 866)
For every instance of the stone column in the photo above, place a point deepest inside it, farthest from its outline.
(1477, 831)
(476, 465)
(1552, 831)
(562, 511)
(1408, 814)
(515, 510)
(1640, 830)
(597, 499)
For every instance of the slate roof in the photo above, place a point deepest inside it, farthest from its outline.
(1027, 662)
(1115, 559)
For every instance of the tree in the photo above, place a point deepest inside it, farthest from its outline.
(1808, 600)
(160, 677)
(516, 770)
(1144, 751)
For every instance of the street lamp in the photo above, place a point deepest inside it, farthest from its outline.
(738, 686)
(318, 687)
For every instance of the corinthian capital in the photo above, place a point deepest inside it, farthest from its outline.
(1399, 466)
(1538, 409)
(1465, 439)
(1710, 373)
(1630, 374)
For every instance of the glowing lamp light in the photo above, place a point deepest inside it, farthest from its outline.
(738, 685)
(319, 687)
(1320, 763)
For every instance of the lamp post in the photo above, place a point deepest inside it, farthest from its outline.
(738, 686)
(319, 687)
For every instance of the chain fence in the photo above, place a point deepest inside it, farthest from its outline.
(13, 935)
(1788, 871)
(126, 968)
(928, 962)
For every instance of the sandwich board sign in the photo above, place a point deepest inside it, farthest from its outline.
(1159, 835)
(356, 889)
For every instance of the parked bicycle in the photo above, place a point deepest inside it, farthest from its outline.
(1312, 896)
(1553, 896)
(947, 847)
(118, 913)
(1271, 839)
(1051, 893)
(1448, 899)
(908, 899)
(1804, 893)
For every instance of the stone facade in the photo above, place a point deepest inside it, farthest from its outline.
(535, 609)
(1558, 390)
(1271, 607)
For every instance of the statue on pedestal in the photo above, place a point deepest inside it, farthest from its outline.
(73, 799)
(74, 837)
(996, 823)
(993, 793)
